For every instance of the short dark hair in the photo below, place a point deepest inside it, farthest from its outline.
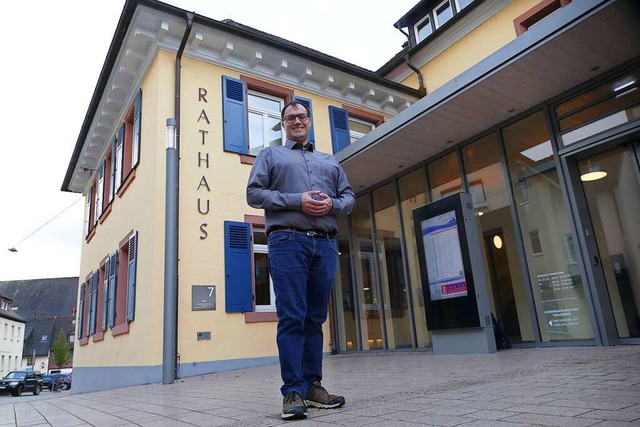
(293, 104)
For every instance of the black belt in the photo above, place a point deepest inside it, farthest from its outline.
(310, 233)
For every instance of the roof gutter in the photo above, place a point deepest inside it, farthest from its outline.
(421, 87)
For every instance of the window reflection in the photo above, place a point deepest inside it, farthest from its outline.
(413, 194)
(444, 176)
(393, 284)
(556, 282)
(489, 191)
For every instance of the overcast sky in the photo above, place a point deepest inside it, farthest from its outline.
(53, 54)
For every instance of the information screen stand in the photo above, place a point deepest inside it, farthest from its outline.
(453, 278)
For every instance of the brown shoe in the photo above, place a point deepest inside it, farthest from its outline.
(293, 407)
(318, 397)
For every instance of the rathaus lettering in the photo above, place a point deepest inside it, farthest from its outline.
(204, 203)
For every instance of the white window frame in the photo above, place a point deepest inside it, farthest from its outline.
(264, 308)
(354, 135)
(99, 193)
(419, 23)
(459, 8)
(265, 114)
(435, 13)
(119, 157)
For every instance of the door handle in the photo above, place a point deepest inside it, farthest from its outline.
(596, 260)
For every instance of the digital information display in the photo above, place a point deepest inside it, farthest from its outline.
(445, 268)
(444, 230)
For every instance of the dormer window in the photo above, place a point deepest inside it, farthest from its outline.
(424, 28)
(442, 13)
(433, 16)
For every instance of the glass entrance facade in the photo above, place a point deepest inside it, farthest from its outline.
(534, 263)
(610, 184)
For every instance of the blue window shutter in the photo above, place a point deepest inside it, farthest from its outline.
(238, 293)
(87, 327)
(93, 302)
(105, 295)
(340, 137)
(90, 213)
(131, 276)
(80, 313)
(234, 115)
(113, 285)
(112, 178)
(307, 102)
(137, 113)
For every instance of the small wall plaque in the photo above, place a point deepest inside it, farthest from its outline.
(204, 335)
(203, 297)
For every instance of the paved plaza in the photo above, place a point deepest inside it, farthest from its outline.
(569, 386)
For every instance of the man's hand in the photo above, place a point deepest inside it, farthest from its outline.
(316, 203)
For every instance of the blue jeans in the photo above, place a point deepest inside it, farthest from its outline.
(302, 268)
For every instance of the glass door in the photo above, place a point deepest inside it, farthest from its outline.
(610, 183)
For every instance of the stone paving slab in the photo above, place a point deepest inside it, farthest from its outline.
(580, 386)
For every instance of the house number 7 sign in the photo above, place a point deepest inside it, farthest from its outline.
(203, 297)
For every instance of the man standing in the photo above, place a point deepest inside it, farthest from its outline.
(301, 191)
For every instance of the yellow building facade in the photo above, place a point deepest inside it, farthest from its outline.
(454, 111)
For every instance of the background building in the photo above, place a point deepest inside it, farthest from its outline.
(48, 307)
(511, 101)
(12, 330)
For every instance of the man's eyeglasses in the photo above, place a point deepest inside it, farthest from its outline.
(292, 117)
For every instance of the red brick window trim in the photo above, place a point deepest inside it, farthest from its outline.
(367, 116)
(534, 15)
(259, 316)
(268, 88)
(255, 220)
(246, 159)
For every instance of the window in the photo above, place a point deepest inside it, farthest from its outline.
(251, 115)
(348, 124)
(90, 210)
(109, 182)
(461, 4)
(264, 121)
(359, 128)
(72, 337)
(265, 299)
(19, 333)
(13, 332)
(126, 145)
(536, 244)
(93, 303)
(125, 287)
(119, 150)
(44, 337)
(442, 13)
(99, 193)
(536, 14)
(248, 290)
(609, 105)
(424, 28)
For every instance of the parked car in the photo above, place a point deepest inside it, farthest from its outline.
(48, 380)
(15, 382)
